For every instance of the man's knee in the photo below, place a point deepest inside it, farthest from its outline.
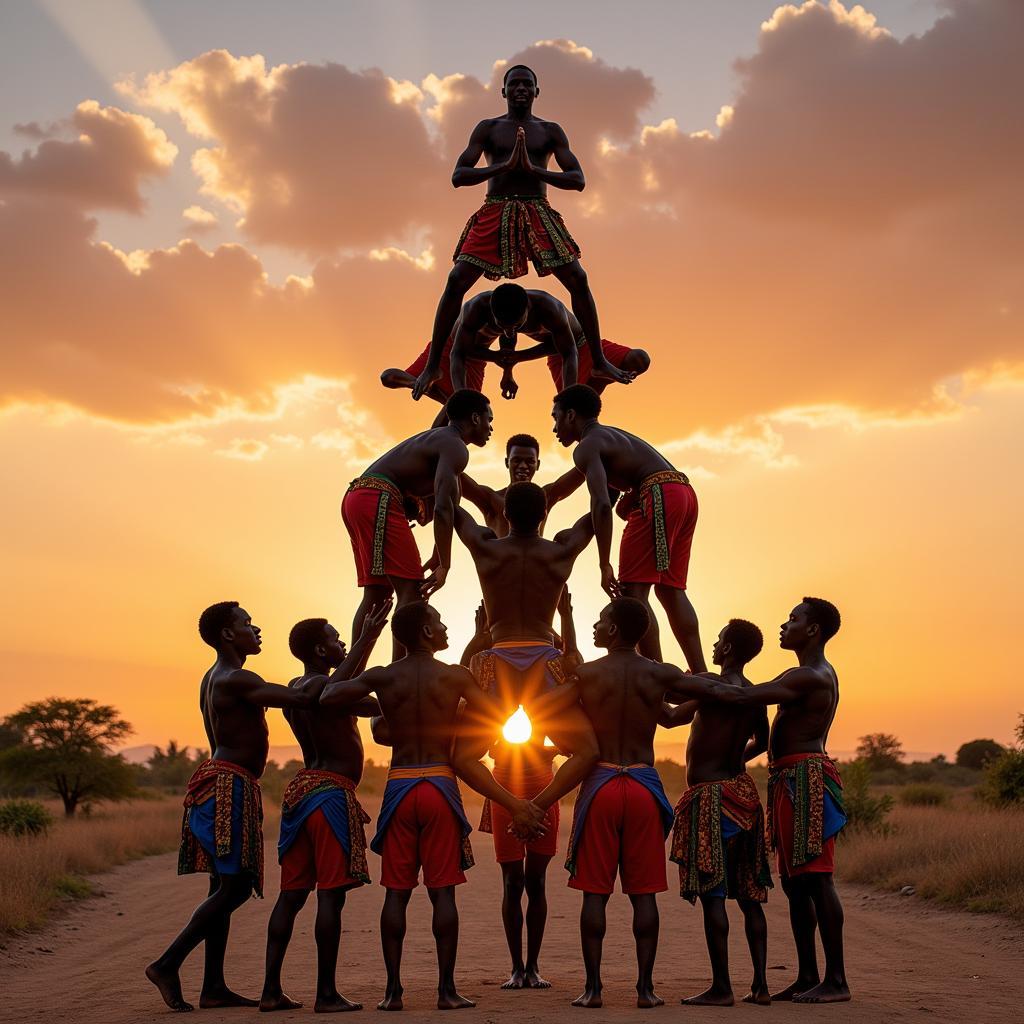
(638, 361)
(461, 278)
(574, 277)
(393, 377)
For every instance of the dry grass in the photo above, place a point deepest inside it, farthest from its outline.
(36, 874)
(965, 855)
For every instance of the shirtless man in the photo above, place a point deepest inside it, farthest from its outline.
(662, 515)
(722, 739)
(522, 577)
(422, 820)
(319, 848)
(804, 837)
(622, 816)
(522, 459)
(516, 223)
(423, 466)
(233, 701)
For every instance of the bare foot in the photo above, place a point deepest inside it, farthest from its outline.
(590, 1000)
(335, 1003)
(531, 979)
(219, 998)
(613, 373)
(646, 998)
(826, 992)
(453, 1001)
(392, 999)
(712, 997)
(169, 986)
(758, 995)
(517, 979)
(798, 986)
(271, 1002)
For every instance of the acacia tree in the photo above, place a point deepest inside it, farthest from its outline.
(67, 746)
(880, 750)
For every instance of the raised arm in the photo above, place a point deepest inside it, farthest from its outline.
(485, 498)
(558, 490)
(358, 655)
(571, 174)
(349, 691)
(588, 461)
(451, 461)
(470, 532)
(466, 171)
(481, 640)
(576, 537)
(570, 651)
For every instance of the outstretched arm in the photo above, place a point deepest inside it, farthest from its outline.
(681, 714)
(558, 490)
(485, 498)
(791, 685)
(576, 537)
(588, 461)
(254, 689)
(349, 691)
(466, 172)
(470, 532)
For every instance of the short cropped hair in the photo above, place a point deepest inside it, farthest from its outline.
(409, 620)
(304, 637)
(745, 638)
(217, 617)
(525, 506)
(824, 614)
(518, 67)
(464, 403)
(508, 303)
(632, 618)
(522, 441)
(580, 399)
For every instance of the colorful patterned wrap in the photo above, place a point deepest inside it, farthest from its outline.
(508, 231)
(401, 780)
(315, 789)
(605, 771)
(807, 780)
(224, 783)
(388, 548)
(701, 849)
(650, 491)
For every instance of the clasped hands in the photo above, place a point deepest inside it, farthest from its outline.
(527, 821)
(519, 158)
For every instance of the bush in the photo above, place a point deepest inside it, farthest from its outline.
(978, 753)
(1004, 779)
(924, 795)
(24, 818)
(866, 813)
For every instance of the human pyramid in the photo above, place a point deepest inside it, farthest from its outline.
(522, 691)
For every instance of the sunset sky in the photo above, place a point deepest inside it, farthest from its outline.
(220, 222)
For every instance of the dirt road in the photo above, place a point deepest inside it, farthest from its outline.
(906, 960)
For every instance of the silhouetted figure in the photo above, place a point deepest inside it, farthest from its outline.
(322, 844)
(622, 816)
(660, 508)
(425, 467)
(222, 829)
(422, 821)
(522, 577)
(522, 459)
(718, 837)
(805, 796)
(516, 222)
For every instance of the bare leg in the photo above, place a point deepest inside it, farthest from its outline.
(329, 905)
(757, 940)
(650, 645)
(683, 620)
(833, 989)
(406, 591)
(592, 929)
(574, 277)
(716, 935)
(231, 892)
(461, 278)
(445, 925)
(645, 932)
(395, 379)
(804, 922)
(215, 993)
(373, 595)
(513, 884)
(279, 934)
(536, 916)
(392, 936)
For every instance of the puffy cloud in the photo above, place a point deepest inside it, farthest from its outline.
(102, 168)
(198, 218)
(244, 449)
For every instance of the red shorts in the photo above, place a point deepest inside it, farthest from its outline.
(622, 832)
(782, 810)
(638, 548)
(509, 847)
(615, 354)
(474, 370)
(507, 232)
(400, 556)
(316, 858)
(424, 831)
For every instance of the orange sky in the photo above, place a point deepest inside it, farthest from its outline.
(828, 279)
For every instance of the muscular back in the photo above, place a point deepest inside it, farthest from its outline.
(801, 725)
(238, 728)
(329, 738)
(413, 463)
(622, 695)
(499, 141)
(718, 738)
(627, 458)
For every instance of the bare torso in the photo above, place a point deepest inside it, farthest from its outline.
(627, 458)
(329, 738)
(718, 738)
(801, 726)
(622, 695)
(412, 464)
(500, 140)
(238, 727)
(549, 322)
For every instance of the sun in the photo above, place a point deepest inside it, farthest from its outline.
(518, 728)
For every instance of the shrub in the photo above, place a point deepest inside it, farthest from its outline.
(924, 795)
(978, 753)
(866, 813)
(1004, 779)
(24, 818)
